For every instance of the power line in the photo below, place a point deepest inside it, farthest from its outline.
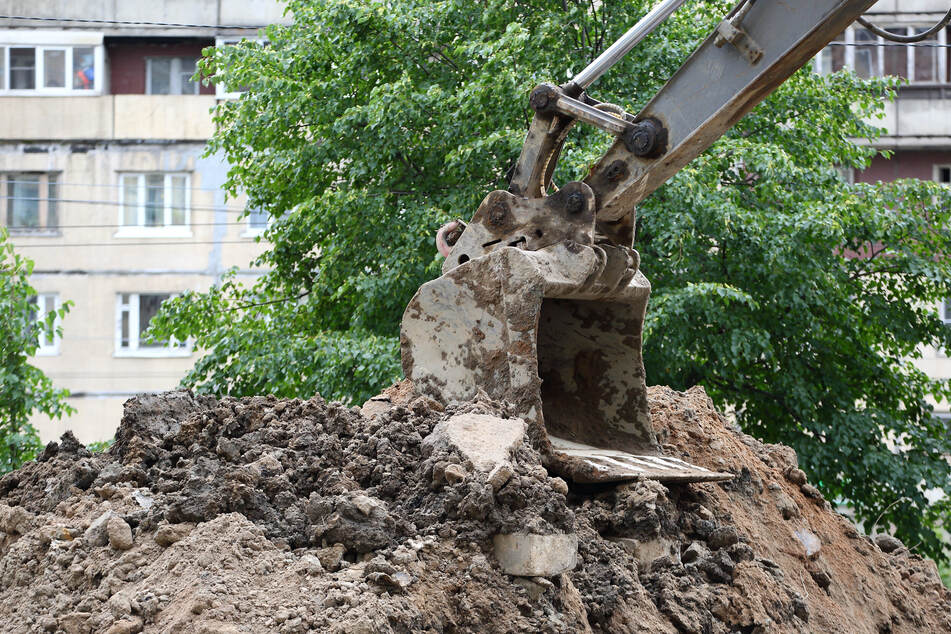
(114, 203)
(237, 223)
(180, 243)
(871, 44)
(178, 25)
(110, 186)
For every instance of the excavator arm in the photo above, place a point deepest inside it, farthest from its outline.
(541, 303)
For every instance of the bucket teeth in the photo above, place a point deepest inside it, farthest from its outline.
(584, 463)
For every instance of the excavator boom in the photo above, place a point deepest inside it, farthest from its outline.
(542, 302)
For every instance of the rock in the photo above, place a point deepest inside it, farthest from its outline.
(96, 534)
(15, 520)
(119, 533)
(119, 605)
(809, 540)
(330, 557)
(722, 537)
(500, 475)
(535, 586)
(693, 552)
(796, 476)
(485, 440)
(811, 492)
(309, 565)
(168, 534)
(75, 623)
(366, 504)
(821, 577)
(454, 473)
(786, 505)
(558, 485)
(48, 624)
(143, 498)
(645, 551)
(887, 543)
(529, 555)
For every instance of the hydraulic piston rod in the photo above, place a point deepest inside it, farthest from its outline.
(629, 40)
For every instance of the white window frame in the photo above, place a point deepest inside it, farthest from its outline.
(220, 91)
(135, 349)
(175, 75)
(253, 232)
(48, 350)
(166, 230)
(6, 199)
(879, 62)
(937, 174)
(42, 41)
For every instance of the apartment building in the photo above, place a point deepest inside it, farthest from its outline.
(918, 122)
(104, 183)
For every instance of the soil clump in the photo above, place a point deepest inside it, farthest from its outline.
(269, 515)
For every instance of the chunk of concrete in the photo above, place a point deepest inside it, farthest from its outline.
(96, 534)
(485, 440)
(529, 555)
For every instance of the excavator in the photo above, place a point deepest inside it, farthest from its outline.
(541, 301)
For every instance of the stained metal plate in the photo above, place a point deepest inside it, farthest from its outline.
(584, 463)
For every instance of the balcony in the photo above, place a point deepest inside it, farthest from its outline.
(919, 118)
(107, 117)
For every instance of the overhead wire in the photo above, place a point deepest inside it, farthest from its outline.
(177, 25)
(115, 203)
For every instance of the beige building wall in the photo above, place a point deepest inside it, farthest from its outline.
(88, 141)
(91, 261)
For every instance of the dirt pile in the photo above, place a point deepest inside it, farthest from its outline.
(259, 515)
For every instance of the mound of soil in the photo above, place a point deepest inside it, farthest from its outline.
(268, 515)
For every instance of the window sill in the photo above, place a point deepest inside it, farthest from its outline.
(154, 353)
(252, 233)
(153, 232)
(35, 233)
(47, 353)
(50, 92)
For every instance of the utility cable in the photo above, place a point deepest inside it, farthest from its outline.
(118, 243)
(136, 23)
(906, 38)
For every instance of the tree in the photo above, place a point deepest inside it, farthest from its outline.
(24, 389)
(368, 124)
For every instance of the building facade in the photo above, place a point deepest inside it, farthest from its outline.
(918, 121)
(105, 184)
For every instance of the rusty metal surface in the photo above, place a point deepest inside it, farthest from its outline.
(505, 220)
(714, 88)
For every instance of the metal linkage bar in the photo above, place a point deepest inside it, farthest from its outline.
(629, 40)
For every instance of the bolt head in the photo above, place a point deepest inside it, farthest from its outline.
(575, 203)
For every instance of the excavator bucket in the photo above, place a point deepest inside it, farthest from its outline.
(551, 324)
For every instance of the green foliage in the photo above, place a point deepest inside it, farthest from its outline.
(369, 123)
(100, 445)
(24, 389)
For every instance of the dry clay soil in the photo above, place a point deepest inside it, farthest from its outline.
(268, 515)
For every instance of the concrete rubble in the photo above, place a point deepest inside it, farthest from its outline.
(268, 515)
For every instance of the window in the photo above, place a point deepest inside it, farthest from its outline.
(44, 304)
(872, 56)
(946, 311)
(943, 174)
(170, 76)
(258, 220)
(31, 202)
(154, 204)
(222, 90)
(134, 312)
(65, 63)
